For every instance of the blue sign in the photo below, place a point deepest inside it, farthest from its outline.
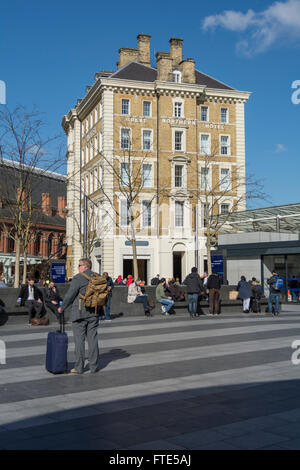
(58, 273)
(217, 265)
(138, 243)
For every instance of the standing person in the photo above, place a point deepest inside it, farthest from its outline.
(257, 294)
(194, 286)
(52, 298)
(293, 286)
(274, 295)
(155, 280)
(244, 293)
(31, 297)
(84, 320)
(213, 290)
(135, 295)
(162, 298)
(110, 286)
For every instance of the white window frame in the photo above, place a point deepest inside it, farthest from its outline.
(207, 177)
(176, 76)
(224, 204)
(150, 108)
(151, 139)
(149, 203)
(182, 166)
(209, 143)
(202, 120)
(100, 142)
(227, 115)
(129, 132)
(177, 204)
(228, 188)
(149, 179)
(125, 114)
(183, 139)
(124, 202)
(228, 145)
(126, 174)
(178, 109)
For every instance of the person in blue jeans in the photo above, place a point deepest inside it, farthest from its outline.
(165, 301)
(274, 296)
(194, 287)
(110, 286)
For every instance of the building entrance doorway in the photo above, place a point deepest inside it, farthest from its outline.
(142, 267)
(177, 265)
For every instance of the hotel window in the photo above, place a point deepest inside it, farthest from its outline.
(178, 140)
(96, 182)
(224, 209)
(100, 142)
(125, 139)
(147, 175)
(147, 108)
(177, 76)
(100, 111)
(204, 184)
(146, 210)
(124, 174)
(178, 176)
(92, 119)
(147, 140)
(224, 115)
(95, 145)
(179, 214)
(205, 144)
(125, 219)
(96, 114)
(86, 188)
(177, 109)
(125, 106)
(204, 113)
(225, 147)
(225, 179)
(204, 216)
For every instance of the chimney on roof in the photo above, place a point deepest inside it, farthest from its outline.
(164, 66)
(144, 49)
(61, 205)
(188, 71)
(126, 55)
(46, 204)
(176, 51)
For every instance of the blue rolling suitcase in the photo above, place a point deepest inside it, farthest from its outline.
(57, 350)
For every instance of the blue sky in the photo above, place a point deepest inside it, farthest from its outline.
(51, 50)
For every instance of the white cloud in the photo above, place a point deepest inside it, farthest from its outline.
(280, 148)
(280, 21)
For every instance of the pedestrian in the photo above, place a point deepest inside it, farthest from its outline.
(294, 289)
(110, 286)
(274, 294)
(135, 295)
(257, 293)
(155, 280)
(52, 298)
(244, 293)
(129, 280)
(213, 290)
(176, 291)
(31, 297)
(119, 281)
(85, 321)
(162, 298)
(194, 287)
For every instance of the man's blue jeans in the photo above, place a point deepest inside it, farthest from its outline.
(274, 298)
(107, 308)
(167, 304)
(193, 303)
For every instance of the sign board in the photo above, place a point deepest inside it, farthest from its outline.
(217, 265)
(58, 273)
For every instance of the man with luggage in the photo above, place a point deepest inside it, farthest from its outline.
(84, 321)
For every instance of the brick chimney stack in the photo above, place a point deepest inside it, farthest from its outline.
(61, 205)
(144, 49)
(164, 66)
(176, 51)
(46, 204)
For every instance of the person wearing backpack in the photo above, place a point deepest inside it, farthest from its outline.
(85, 320)
(275, 283)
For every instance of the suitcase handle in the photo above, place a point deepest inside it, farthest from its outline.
(62, 322)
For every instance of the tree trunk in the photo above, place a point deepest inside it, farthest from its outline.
(17, 265)
(208, 248)
(25, 266)
(135, 263)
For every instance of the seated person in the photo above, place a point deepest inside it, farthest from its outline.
(175, 291)
(135, 295)
(162, 298)
(52, 298)
(31, 297)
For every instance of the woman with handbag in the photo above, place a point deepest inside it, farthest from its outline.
(244, 293)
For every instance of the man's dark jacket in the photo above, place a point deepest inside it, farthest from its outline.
(78, 286)
(271, 283)
(213, 282)
(24, 293)
(194, 284)
(50, 295)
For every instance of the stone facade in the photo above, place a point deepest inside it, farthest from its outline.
(174, 117)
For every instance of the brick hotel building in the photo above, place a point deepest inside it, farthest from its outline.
(174, 115)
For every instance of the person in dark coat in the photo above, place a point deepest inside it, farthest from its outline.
(244, 293)
(213, 290)
(52, 298)
(194, 286)
(31, 297)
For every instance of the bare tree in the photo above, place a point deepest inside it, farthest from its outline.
(24, 157)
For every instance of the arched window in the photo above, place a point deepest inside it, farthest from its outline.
(50, 239)
(11, 245)
(37, 244)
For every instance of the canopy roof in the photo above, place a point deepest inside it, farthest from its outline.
(284, 218)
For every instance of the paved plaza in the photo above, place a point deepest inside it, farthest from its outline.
(224, 382)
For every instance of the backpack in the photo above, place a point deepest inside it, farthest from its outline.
(96, 293)
(278, 283)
